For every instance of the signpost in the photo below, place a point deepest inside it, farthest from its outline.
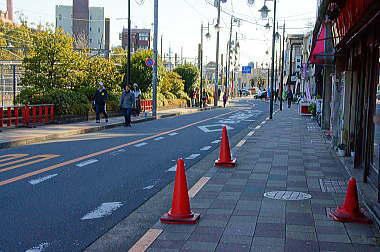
(246, 69)
(149, 62)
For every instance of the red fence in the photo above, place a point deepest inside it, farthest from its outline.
(26, 115)
(146, 105)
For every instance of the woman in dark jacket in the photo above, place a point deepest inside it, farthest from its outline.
(127, 101)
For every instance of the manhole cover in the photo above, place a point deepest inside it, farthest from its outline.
(287, 195)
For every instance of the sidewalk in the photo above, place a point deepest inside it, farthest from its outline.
(21, 136)
(283, 154)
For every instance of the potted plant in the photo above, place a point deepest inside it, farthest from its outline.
(313, 109)
(341, 148)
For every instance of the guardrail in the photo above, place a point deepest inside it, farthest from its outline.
(146, 105)
(26, 115)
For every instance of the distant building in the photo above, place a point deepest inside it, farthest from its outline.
(87, 26)
(7, 16)
(140, 39)
(293, 58)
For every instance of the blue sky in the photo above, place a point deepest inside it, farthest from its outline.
(180, 21)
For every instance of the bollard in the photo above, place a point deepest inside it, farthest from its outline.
(34, 113)
(46, 113)
(16, 116)
(40, 113)
(9, 117)
(23, 115)
(51, 112)
(27, 118)
(1, 117)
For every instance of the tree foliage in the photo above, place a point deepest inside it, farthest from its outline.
(190, 74)
(50, 62)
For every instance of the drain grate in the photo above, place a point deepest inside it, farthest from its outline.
(333, 185)
(287, 195)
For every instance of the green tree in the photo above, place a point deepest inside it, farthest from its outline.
(171, 83)
(92, 70)
(50, 62)
(140, 72)
(190, 74)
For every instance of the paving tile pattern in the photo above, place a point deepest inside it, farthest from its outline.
(285, 154)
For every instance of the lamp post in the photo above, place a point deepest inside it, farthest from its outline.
(282, 64)
(264, 14)
(201, 60)
(129, 45)
(217, 26)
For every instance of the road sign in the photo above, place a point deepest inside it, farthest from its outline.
(246, 69)
(149, 62)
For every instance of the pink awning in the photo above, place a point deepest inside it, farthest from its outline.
(319, 48)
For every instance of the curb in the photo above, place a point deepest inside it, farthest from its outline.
(90, 129)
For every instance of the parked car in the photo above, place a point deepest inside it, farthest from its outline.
(245, 92)
(260, 95)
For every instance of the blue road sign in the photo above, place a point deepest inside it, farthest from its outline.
(246, 69)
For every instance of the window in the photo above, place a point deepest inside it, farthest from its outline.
(144, 36)
(60, 17)
(99, 29)
(90, 28)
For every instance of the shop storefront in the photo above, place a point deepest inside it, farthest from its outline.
(356, 35)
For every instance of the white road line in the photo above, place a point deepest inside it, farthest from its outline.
(172, 169)
(216, 141)
(38, 248)
(250, 133)
(193, 156)
(158, 138)
(198, 186)
(103, 210)
(240, 144)
(205, 148)
(173, 134)
(87, 162)
(148, 238)
(249, 120)
(258, 127)
(39, 180)
(140, 144)
(148, 187)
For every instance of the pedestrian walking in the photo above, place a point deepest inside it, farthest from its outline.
(225, 98)
(290, 98)
(100, 100)
(276, 95)
(204, 98)
(137, 93)
(127, 101)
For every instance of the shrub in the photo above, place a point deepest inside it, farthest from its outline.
(169, 95)
(67, 102)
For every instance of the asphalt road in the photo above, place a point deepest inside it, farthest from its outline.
(62, 195)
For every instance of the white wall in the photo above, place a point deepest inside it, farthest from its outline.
(96, 29)
(63, 16)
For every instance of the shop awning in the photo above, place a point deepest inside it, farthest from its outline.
(318, 52)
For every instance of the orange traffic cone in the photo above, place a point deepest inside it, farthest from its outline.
(350, 211)
(180, 212)
(225, 154)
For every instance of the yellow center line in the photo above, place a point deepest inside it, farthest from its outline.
(30, 174)
(41, 158)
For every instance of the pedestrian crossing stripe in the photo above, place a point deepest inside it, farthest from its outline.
(16, 163)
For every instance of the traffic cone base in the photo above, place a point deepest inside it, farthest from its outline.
(350, 211)
(180, 213)
(193, 219)
(231, 163)
(341, 215)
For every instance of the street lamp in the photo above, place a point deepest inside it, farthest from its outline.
(264, 14)
(208, 35)
(264, 11)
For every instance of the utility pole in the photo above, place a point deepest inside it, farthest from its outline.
(229, 56)
(282, 64)
(155, 58)
(272, 70)
(129, 45)
(161, 49)
(216, 98)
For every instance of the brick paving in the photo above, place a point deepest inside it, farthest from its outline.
(285, 154)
